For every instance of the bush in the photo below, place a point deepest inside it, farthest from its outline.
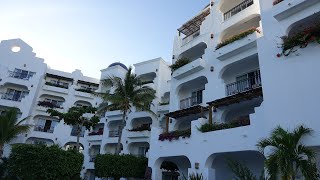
(43, 162)
(237, 37)
(179, 63)
(117, 166)
(216, 127)
(175, 135)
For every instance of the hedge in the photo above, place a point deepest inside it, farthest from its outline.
(44, 162)
(117, 166)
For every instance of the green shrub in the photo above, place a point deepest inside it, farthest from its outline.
(216, 127)
(179, 63)
(117, 166)
(44, 162)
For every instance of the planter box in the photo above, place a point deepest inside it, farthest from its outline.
(237, 47)
(188, 69)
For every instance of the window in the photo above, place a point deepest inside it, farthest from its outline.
(14, 95)
(21, 74)
(197, 97)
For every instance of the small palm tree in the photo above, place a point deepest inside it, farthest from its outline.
(127, 93)
(289, 157)
(10, 127)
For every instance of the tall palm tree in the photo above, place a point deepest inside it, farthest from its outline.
(10, 127)
(289, 157)
(126, 93)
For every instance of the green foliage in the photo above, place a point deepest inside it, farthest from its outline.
(242, 172)
(301, 39)
(179, 63)
(289, 156)
(215, 127)
(56, 85)
(4, 174)
(10, 127)
(74, 116)
(128, 92)
(44, 162)
(175, 135)
(117, 166)
(237, 37)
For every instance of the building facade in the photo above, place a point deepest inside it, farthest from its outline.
(239, 79)
(236, 77)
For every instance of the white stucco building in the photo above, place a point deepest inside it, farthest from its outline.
(242, 82)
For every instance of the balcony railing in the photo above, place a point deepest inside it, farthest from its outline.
(12, 97)
(43, 128)
(235, 10)
(191, 101)
(114, 133)
(75, 133)
(243, 85)
(21, 75)
(48, 104)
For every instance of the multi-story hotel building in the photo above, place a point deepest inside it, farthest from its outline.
(241, 80)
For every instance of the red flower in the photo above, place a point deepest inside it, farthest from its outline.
(278, 55)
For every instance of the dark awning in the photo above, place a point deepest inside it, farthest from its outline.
(58, 77)
(187, 111)
(194, 24)
(237, 98)
(88, 83)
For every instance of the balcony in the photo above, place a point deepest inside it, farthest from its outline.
(55, 88)
(86, 93)
(140, 131)
(232, 48)
(243, 85)
(190, 68)
(286, 8)
(48, 104)
(189, 102)
(163, 107)
(114, 133)
(45, 129)
(235, 10)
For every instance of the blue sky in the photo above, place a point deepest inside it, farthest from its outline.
(91, 34)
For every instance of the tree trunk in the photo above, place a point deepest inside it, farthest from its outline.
(1, 150)
(78, 138)
(118, 148)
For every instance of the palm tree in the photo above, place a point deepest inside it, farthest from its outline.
(10, 127)
(289, 157)
(127, 93)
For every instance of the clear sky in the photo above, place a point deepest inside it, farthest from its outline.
(91, 34)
